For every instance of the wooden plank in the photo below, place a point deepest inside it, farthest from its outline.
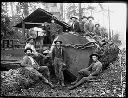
(32, 23)
(23, 29)
(10, 62)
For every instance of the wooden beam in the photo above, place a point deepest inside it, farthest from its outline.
(80, 12)
(23, 30)
(32, 23)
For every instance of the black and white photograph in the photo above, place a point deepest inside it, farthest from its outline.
(63, 49)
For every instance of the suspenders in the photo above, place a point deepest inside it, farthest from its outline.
(60, 50)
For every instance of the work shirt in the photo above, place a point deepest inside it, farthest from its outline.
(29, 63)
(32, 60)
(82, 26)
(96, 66)
(58, 52)
(86, 27)
(90, 27)
(98, 31)
(75, 27)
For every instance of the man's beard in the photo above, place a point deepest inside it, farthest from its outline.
(94, 60)
(29, 54)
(58, 46)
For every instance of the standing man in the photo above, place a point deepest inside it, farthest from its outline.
(97, 29)
(75, 25)
(47, 38)
(91, 25)
(84, 25)
(54, 29)
(41, 33)
(58, 60)
(30, 64)
(30, 44)
(88, 73)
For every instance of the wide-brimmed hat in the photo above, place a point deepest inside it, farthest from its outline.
(84, 17)
(27, 49)
(74, 17)
(58, 41)
(94, 54)
(90, 17)
(97, 25)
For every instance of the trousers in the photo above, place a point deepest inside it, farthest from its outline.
(58, 65)
(41, 72)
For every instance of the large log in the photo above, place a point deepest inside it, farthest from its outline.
(76, 59)
(10, 64)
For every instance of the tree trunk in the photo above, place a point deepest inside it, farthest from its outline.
(11, 4)
(80, 12)
(61, 9)
(25, 9)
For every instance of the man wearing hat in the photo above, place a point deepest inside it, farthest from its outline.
(54, 29)
(91, 25)
(37, 56)
(30, 44)
(29, 63)
(97, 29)
(84, 24)
(88, 73)
(58, 62)
(75, 24)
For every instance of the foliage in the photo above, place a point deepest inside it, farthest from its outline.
(6, 28)
(14, 80)
(72, 10)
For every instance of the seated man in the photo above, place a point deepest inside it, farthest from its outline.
(97, 29)
(37, 56)
(30, 44)
(88, 73)
(30, 64)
